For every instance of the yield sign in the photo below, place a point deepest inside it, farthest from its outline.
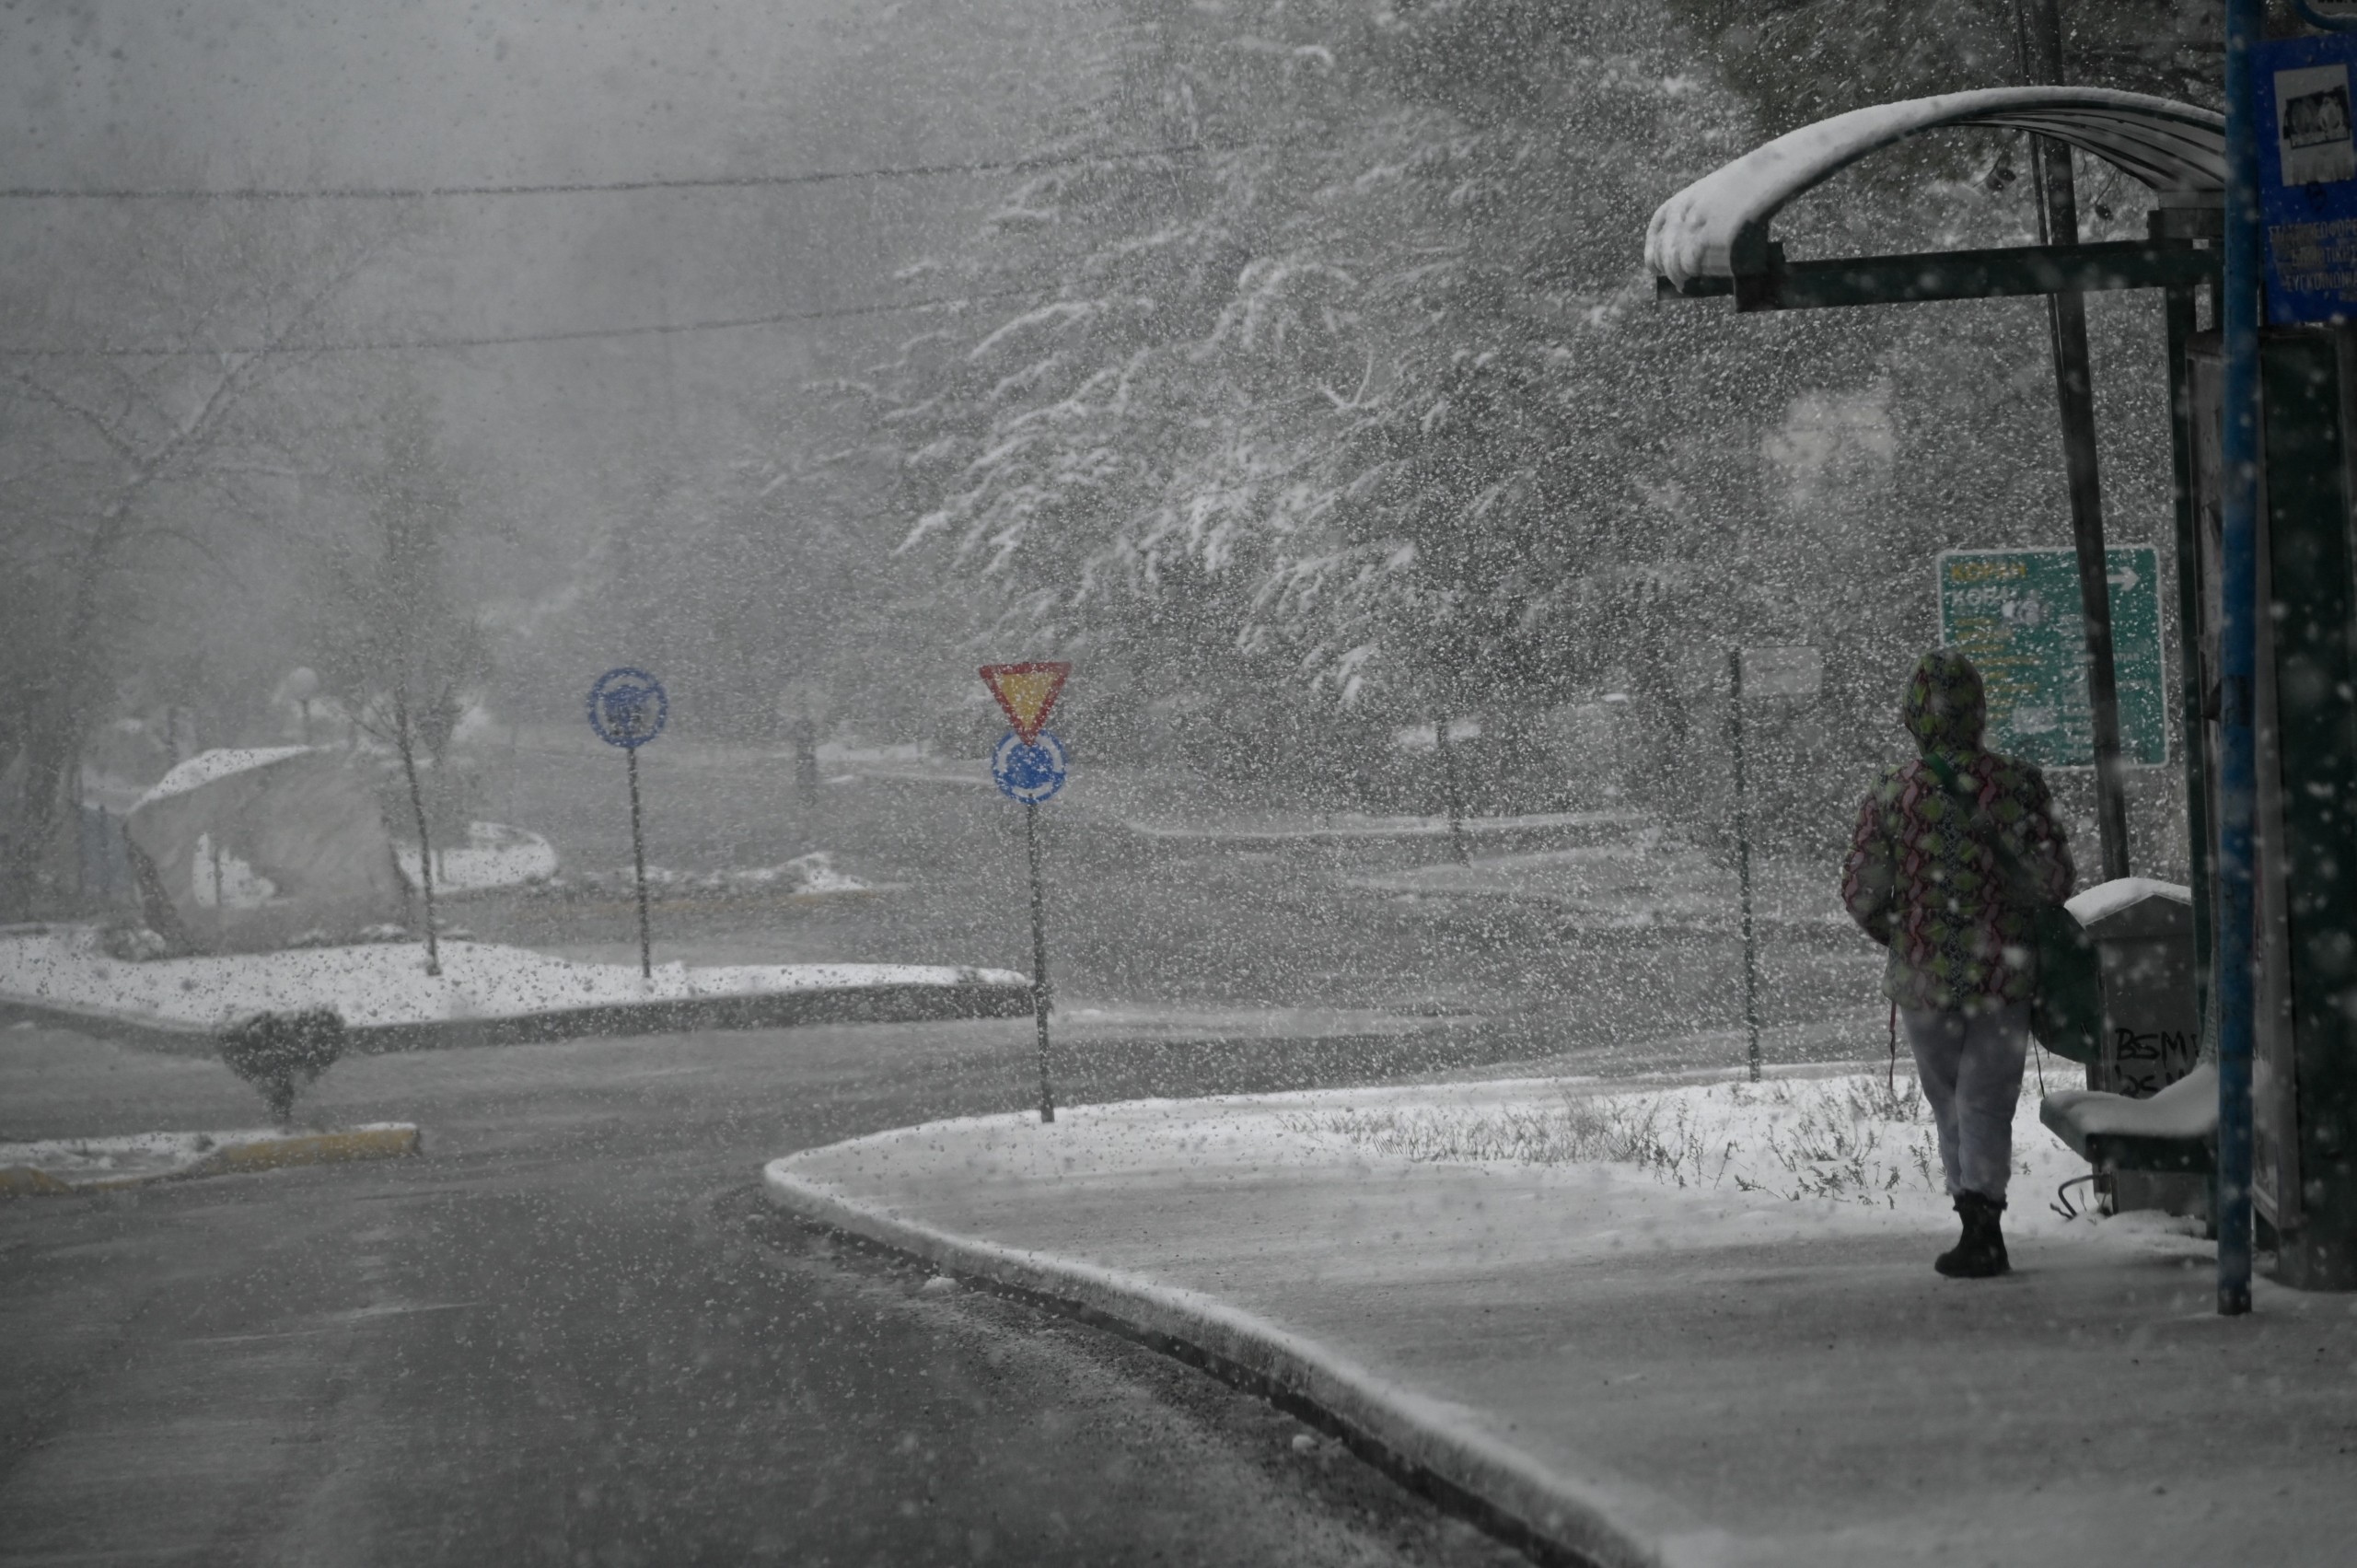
(1028, 692)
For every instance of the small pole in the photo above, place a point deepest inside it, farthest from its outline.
(81, 834)
(1039, 955)
(805, 759)
(638, 866)
(1456, 793)
(1743, 863)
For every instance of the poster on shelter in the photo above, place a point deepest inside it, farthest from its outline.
(2308, 177)
(2312, 125)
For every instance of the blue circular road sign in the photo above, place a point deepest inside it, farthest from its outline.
(1028, 773)
(628, 708)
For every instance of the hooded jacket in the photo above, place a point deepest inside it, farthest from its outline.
(1922, 877)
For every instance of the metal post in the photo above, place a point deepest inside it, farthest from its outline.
(1039, 954)
(806, 759)
(638, 866)
(1743, 862)
(2237, 765)
(81, 835)
(2194, 724)
(1456, 794)
(2058, 224)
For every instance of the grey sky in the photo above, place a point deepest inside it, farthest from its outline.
(103, 94)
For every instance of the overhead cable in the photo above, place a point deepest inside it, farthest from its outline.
(582, 186)
(582, 334)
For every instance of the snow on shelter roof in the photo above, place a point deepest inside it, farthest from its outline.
(2175, 148)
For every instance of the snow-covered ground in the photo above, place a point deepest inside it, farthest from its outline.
(495, 855)
(1864, 1140)
(1281, 827)
(385, 984)
(808, 876)
(1693, 1322)
(1803, 1154)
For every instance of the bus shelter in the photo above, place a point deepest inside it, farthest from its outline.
(1715, 239)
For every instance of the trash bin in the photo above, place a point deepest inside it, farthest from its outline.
(2143, 931)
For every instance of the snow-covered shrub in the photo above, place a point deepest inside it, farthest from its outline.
(277, 1052)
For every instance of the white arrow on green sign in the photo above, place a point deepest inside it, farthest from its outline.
(2015, 613)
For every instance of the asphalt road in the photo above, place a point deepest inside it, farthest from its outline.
(572, 1333)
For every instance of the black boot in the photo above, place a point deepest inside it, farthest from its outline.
(1979, 1253)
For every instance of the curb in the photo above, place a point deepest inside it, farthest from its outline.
(385, 1141)
(391, 1140)
(854, 1003)
(1429, 1446)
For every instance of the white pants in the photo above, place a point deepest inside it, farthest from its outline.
(1972, 1073)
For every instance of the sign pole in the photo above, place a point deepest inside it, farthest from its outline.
(1028, 765)
(628, 708)
(1039, 954)
(1456, 794)
(1743, 864)
(638, 867)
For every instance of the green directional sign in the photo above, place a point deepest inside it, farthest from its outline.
(2015, 613)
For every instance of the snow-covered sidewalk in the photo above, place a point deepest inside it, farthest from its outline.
(384, 986)
(1689, 1324)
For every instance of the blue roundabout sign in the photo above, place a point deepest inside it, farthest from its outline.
(628, 708)
(1030, 773)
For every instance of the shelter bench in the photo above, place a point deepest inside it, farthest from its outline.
(2174, 1132)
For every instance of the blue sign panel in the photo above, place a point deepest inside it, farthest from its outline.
(627, 708)
(2308, 177)
(1028, 773)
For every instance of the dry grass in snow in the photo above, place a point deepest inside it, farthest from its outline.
(1853, 1139)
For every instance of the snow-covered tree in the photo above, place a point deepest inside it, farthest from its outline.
(1350, 386)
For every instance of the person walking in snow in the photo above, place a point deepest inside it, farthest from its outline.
(1953, 852)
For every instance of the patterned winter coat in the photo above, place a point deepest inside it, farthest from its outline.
(1921, 880)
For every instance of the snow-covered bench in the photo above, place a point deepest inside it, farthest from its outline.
(2175, 1131)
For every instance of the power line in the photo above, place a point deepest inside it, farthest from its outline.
(582, 334)
(705, 182)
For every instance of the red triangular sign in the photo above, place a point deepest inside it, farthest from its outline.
(1028, 692)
